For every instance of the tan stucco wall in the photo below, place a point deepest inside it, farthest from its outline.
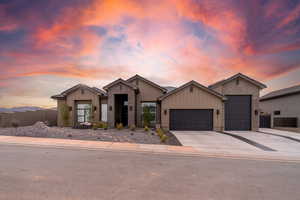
(111, 102)
(289, 106)
(243, 88)
(78, 96)
(60, 121)
(28, 118)
(198, 99)
(146, 93)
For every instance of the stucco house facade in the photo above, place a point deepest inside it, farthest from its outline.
(191, 106)
(282, 107)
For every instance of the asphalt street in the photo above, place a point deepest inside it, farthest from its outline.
(38, 173)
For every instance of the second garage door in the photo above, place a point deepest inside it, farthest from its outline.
(238, 112)
(191, 119)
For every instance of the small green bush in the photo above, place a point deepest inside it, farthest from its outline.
(132, 127)
(163, 137)
(160, 132)
(97, 125)
(15, 123)
(105, 126)
(120, 126)
(146, 128)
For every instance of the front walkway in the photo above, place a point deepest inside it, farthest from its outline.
(149, 148)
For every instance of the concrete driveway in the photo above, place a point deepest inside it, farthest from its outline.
(241, 142)
(211, 141)
(276, 142)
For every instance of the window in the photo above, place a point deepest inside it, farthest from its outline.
(84, 112)
(104, 112)
(277, 112)
(149, 113)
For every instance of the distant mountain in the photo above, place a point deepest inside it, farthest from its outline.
(21, 109)
(169, 88)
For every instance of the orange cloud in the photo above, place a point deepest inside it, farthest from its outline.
(229, 26)
(76, 72)
(291, 17)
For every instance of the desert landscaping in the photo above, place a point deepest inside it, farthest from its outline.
(40, 129)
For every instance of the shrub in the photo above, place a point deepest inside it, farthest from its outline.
(160, 132)
(120, 126)
(15, 123)
(97, 125)
(146, 128)
(105, 126)
(132, 127)
(148, 117)
(163, 137)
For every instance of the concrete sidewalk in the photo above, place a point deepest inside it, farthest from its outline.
(146, 148)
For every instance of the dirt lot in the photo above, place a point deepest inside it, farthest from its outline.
(113, 135)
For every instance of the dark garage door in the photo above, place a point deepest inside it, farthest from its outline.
(191, 119)
(238, 112)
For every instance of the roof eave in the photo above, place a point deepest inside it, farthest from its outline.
(148, 81)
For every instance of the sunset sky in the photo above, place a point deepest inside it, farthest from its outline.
(47, 46)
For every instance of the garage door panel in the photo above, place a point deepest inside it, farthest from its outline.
(191, 119)
(238, 112)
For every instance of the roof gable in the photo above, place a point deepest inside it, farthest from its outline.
(195, 84)
(76, 87)
(120, 81)
(146, 81)
(239, 75)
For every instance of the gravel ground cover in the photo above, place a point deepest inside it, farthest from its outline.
(125, 135)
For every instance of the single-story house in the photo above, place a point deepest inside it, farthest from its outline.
(281, 108)
(230, 104)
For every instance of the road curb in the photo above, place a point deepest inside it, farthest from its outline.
(131, 147)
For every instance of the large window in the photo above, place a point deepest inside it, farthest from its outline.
(149, 113)
(84, 112)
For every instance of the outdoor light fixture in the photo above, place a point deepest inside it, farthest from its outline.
(218, 111)
(165, 112)
(70, 108)
(256, 112)
(130, 108)
(110, 108)
(95, 108)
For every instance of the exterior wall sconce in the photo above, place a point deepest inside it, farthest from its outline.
(110, 108)
(218, 111)
(130, 108)
(94, 108)
(70, 108)
(165, 111)
(256, 112)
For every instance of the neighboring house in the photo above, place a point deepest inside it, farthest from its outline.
(282, 107)
(231, 104)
